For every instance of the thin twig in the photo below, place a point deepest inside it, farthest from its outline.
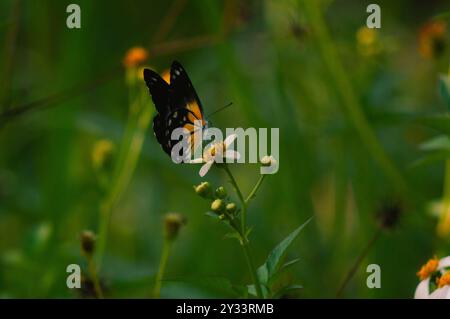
(60, 97)
(169, 20)
(358, 262)
(185, 44)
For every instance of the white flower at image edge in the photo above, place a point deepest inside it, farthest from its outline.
(217, 153)
(422, 290)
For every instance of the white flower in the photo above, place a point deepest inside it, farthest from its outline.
(423, 289)
(216, 153)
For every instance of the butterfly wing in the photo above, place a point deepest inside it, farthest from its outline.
(177, 104)
(159, 90)
(183, 94)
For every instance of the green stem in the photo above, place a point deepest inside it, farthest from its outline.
(130, 150)
(255, 189)
(443, 227)
(444, 220)
(243, 233)
(162, 267)
(357, 263)
(350, 101)
(241, 199)
(251, 267)
(93, 272)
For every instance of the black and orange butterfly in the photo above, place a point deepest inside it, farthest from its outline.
(177, 105)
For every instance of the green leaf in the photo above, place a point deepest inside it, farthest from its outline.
(286, 289)
(274, 261)
(212, 215)
(444, 89)
(252, 290)
(249, 230)
(290, 263)
(430, 158)
(233, 235)
(441, 142)
(440, 123)
(263, 274)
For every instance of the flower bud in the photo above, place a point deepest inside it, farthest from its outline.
(103, 154)
(217, 206)
(268, 160)
(231, 208)
(389, 214)
(88, 242)
(203, 189)
(172, 225)
(221, 192)
(135, 56)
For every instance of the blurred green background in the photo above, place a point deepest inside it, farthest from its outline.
(345, 99)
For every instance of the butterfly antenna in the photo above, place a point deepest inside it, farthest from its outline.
(220, 109)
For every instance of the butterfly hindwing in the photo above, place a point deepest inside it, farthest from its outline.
(160, 130)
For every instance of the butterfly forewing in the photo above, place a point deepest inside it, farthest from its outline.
(183, 94)
(159, 90)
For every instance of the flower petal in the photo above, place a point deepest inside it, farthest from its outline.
(441, 293)
(229, 140)
(196, 161)
(205, 168)
(231, 154)
(444, 262)
(422, 290)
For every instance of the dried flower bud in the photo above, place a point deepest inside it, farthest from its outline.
(88, 242)
(389, 214)
(172, 225)
(217, 206)
(204, 190)
(231, 208)
(221, 192)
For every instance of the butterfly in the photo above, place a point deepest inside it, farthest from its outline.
(177, 104)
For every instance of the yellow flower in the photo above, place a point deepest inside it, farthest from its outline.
(102, 153)
(444, 280)
(368, 41)
(428, 269)
(432, 39)
(135, 57)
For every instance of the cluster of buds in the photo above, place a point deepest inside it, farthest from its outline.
(220, 202)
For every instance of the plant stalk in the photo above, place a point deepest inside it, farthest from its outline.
(162, 267)
(358, 262)
(243, 230)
